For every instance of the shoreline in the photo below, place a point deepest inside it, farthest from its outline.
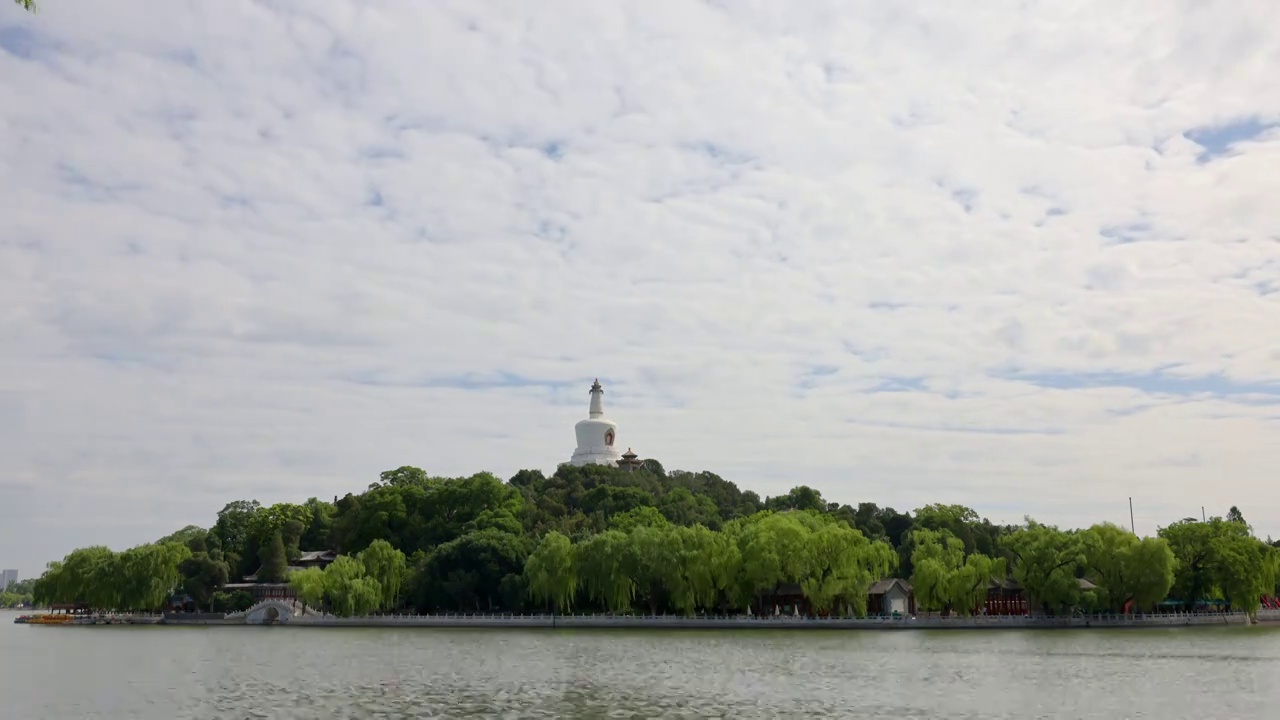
(262, 615)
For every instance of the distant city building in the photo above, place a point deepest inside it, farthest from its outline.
(7, 578)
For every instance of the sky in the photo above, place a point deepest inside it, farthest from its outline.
(1022, 256)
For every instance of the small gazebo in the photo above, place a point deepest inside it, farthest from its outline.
(630, 461)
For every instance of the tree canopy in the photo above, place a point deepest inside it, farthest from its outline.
(598, 538)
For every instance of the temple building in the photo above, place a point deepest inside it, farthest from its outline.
(596, 435)
(630, 461)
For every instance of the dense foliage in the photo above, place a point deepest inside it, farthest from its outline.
(600, 539)
(18, 594)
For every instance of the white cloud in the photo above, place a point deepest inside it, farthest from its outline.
(247, 246)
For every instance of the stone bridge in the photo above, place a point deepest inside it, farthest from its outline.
(269, 612)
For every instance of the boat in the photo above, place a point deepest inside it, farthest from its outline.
(43, 619)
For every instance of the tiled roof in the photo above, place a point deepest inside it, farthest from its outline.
(881, 587)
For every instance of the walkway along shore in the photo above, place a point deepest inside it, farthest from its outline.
(280, 614)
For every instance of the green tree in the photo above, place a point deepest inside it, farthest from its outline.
(386, 565)
(1047, 562)
(605, 566)
(937, 556)
(347, 587)
(945, 578)
(232, 531)
(550, 573)
(319, 522)
(274, 563)
(638, 517)
(682, 507)
(1219, 559)
(969, 584)
(843, 565)
(27, 4)
(309, 586)
(202, 576)
(468, 573)
(801, 497)
(185, 536)
(775, 550)
(1127, 569)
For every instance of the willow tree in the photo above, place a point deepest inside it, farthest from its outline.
(1247, 570)
(969, 583)
(937, 555)
(690, 557)
(147, 575)
(725, 562)
(605, 565)
(550, 572)
(309, 587)
(843, 564)
(775, 550)
(1220, 559)
(652, 562)
(1046, 563)
(1128, 570)
(944, 578)
(350, 590)
(388, 566)
(363, 596)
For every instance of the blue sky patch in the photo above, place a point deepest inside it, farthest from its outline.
(1218, 139)
(1156, 383)
(18, 41)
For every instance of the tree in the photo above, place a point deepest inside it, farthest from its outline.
(185, 536)
(684, 558)
(801, 497)
(843, 565)
(27, 4)
(202, 576)
(638, 517)
(1220, 559)
(1046, 563)
(232, 531)
(319, 523)
(550, 573)
(386, 565)
(680, 541)
(274, 563)
(937, 556)
(352, 593)
(468, 573)
(1235, 516)
(682, 507)
(944, 578)
(1128, 571)
(309, 587)
(605, 565)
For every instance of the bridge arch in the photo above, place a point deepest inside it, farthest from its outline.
(269, 612)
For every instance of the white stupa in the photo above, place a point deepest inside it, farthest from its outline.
(596, 435)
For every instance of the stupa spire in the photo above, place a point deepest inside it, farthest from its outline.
(597, 400)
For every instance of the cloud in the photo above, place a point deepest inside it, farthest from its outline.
(904, 255)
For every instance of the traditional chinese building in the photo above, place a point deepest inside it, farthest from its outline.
(893, 596)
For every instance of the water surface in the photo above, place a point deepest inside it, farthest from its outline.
(143, 673)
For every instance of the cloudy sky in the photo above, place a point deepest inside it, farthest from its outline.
(1024, 257)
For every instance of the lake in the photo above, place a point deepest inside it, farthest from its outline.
(146, 673)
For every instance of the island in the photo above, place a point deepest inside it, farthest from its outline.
(609, 535)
